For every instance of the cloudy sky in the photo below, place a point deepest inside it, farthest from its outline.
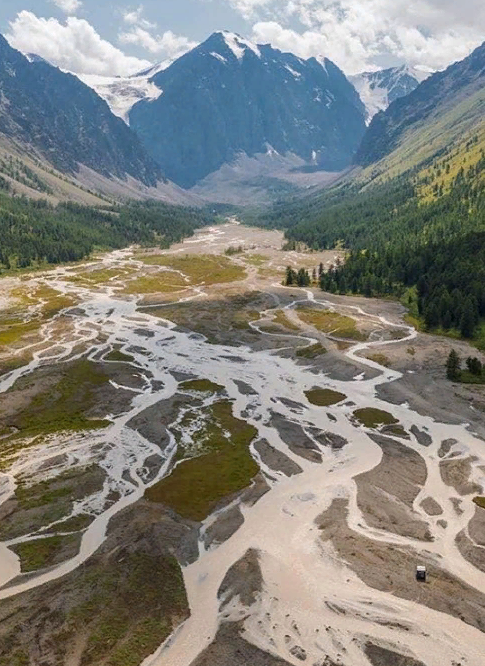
(116, 37)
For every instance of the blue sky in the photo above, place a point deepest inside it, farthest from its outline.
(194, 18)
(119, 37)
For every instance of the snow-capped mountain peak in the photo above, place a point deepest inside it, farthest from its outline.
(229, 97)
(238, 45)
(380, 88)
(122, 93)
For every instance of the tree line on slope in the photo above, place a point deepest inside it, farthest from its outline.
(434, 252)
(36, 232)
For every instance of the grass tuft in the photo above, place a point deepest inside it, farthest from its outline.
(324, 397)
(331, 323)
(380, 359)
(202, 385)
(117, 355)
(312, 351)
(373, 418)
(480, 501)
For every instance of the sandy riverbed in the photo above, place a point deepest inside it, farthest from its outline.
(338, 530)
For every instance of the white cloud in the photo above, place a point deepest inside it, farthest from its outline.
(141, 33)
(74, 45)
(68, 6)
(168, 44)
(250, 8)
(135, 17)
(357, 34)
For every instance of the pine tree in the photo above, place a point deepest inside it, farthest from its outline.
(302, 278)
(446, 321)
(453, 366)
(474, 366)
(468, 320)
(432, 315)
(290, 276)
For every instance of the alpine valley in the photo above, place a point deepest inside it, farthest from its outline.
(242, 369)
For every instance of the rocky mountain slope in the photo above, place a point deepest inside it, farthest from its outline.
(379, 89)
(66, 122)
(441, 110)
(229, 96)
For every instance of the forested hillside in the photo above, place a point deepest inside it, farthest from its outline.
(433, 253)
(35, 232)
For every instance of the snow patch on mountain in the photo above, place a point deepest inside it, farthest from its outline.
(122, 93)
(323, 62)
(218, 57)
(238, 45)
(380, 88)
(296, 74)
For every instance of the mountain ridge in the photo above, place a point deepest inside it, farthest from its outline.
(66, 121)
(428, 103)
(229, 96)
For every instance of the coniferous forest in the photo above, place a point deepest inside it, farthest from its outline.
(432, 254)
(35, 232)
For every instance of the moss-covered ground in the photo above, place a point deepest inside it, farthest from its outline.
(207, 269)
(126, 620)
(373, 418)
(64, 405)
(480, 501)
(312, 351)
(117, 355)
(37, 505)
(324, 397)
(42, 302)
(101, 276)
(256, 259)
(201, 385)
(281, 318)
(41, 553)
(115, 610)
(381, 359)
(223, 466)
(331, 323)
(164, 282)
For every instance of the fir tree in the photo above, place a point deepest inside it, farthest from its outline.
(467, 320)
(474, 366)
(290, 277)
(453, 366)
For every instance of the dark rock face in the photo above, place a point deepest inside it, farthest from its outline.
(439, 92)
(66, 121)
(228, 96)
